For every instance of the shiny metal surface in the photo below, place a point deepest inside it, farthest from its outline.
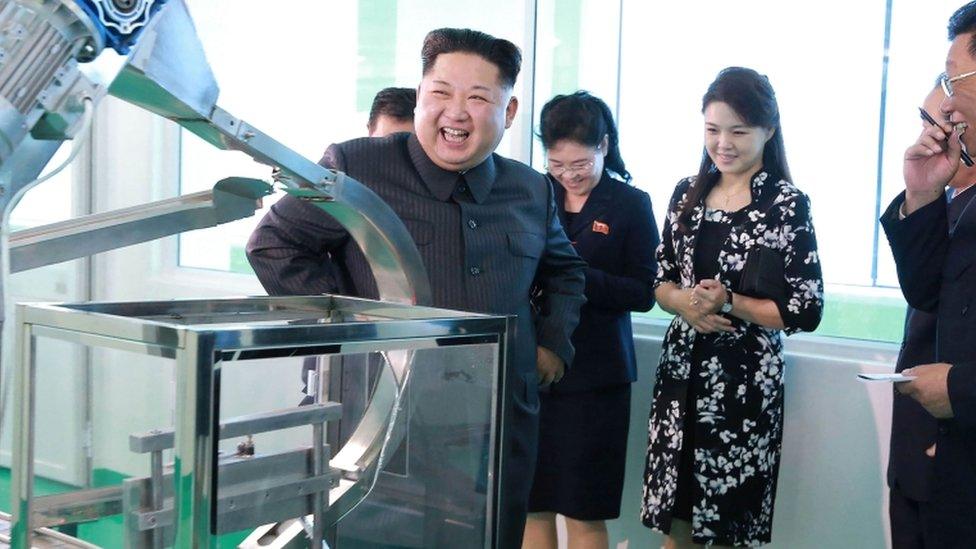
(74, 507)
(313, 414)
(38, 43)
(44, 538)
(231, 199)
(207, 336)
(167, 71)
(167, 74)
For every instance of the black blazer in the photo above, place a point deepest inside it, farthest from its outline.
(617, 236)
(913, 430)
(937, 272)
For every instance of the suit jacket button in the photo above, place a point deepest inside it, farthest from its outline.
(943, 429)
(475, 271)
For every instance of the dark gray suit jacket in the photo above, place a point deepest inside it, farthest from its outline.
(485, 240)
(937, 272)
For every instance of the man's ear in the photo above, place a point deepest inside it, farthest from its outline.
(510, 111)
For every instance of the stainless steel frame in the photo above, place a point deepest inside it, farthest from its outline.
(231, 199)
(167, 73)
(205, 336)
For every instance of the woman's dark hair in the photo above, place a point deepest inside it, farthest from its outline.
(585, 119)
(751, 96)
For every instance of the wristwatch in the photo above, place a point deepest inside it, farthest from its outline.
(727, 306)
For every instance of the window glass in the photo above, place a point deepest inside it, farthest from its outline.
(50, 201)
(307, 75)
(666, 68)
(916, 54)
(577, 48)
(830, 93)
(847, 103)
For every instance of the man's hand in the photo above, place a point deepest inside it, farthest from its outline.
(930, 388)
(930, 163)
(548, 366)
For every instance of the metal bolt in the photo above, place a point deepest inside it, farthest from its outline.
(247, 135)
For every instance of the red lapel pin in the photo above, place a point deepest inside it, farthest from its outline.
(601, 228)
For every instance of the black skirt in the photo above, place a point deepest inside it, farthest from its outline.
(582, 452)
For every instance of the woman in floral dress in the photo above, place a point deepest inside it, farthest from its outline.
(716, 421)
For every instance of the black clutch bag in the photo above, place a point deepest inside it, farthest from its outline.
(763, 275)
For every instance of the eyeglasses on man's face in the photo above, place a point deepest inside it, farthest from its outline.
(947, 82)
(574, 169)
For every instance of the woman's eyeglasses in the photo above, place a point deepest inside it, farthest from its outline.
(572, 169)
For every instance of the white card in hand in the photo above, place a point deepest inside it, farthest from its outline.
(893, 378)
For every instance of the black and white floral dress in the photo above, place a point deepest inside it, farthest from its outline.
(739, 375)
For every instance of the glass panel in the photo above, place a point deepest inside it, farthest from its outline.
(434, 491)
(420, 427)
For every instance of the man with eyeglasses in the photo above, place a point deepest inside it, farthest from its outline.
(936, 263)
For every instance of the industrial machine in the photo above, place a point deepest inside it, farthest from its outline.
(58, 59)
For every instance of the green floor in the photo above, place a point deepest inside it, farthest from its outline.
(106, 532)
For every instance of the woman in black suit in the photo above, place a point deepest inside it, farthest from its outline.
(584, 417)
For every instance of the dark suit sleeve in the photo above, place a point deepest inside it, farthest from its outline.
(803, 307)
(560, 277)
(634, 290)
(962, 393)
(919, 244)
(291, 248)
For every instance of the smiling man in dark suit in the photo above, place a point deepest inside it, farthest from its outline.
(935, 262)
(485, 226)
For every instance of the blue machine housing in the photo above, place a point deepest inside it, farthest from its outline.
(120, 34)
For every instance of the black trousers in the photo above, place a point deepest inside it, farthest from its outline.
(929, 525)
(909, 521)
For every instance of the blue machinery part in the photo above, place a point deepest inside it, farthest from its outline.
(120, 22)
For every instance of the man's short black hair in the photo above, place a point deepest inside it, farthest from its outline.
(397, 103)
(963, 21)
(497, 51)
